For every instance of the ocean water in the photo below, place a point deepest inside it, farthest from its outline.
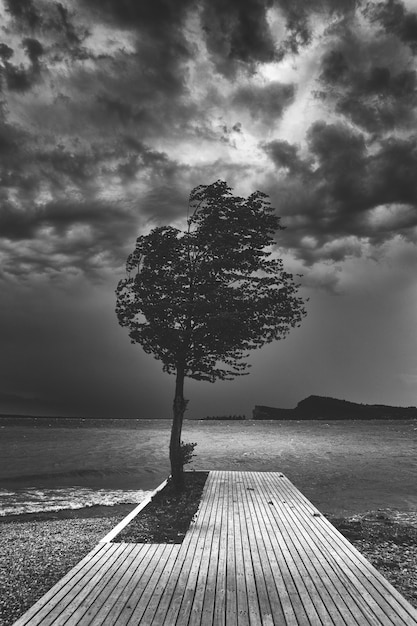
(59, 464)
(343, 467)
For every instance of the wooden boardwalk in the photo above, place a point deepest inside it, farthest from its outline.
(258, 553)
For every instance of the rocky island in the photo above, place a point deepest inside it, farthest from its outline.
(322, 408)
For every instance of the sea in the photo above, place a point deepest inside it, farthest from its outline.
(56, 464)
(342, 466)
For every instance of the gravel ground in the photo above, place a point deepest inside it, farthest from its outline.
(388, 539)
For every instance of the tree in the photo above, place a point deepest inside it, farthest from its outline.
(199, 300)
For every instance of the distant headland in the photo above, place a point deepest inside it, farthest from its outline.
(322, 408)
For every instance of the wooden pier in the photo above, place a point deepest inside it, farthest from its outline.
(257, 554)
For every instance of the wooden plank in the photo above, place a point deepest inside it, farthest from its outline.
(220, 590)
(127, 583)
(203, 607)
(164, 558)
(158, 589)
(286, 604)
(360, 609)
(231, 597)
(356, 602)
(323, 594)
(356, 573)
(339, 565)
(64, 590)
(260, 599)
(192, 614)
(242, 595)
(325, 591)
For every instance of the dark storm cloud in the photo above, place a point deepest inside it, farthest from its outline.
(18, 77)
(285, 156)
(392, 172)
(161, 45)
(103, 218)
(64, 23)
(56, 38)
(109, 113)
(27, 167)
(46, 19)
(167, 200)
(139, 156)
(25, 12)
(395, 18)
(48, 29)
(237, 33)
(34, 49)
(343, 193)
(12, 160)
(87, 238)
(157, 15)
(364, 73)
(76, 228)
(375, 98)
(6, 52)
(299, 25)
(127, 93)
(265, 103)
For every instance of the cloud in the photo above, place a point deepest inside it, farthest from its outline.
(140, 102)
(66, 238)
(25, 12)
(286, 156)
(264, 103)
(365, 76)
(18, 77)
(158, 15)
(341, 198)
(161, 45)
(393, 17)
(241, 35)
(238, 34)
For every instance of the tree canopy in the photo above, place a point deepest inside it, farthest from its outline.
(206, 296)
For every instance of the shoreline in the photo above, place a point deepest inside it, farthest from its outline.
(95, 511)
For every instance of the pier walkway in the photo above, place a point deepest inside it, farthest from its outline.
(257, 554)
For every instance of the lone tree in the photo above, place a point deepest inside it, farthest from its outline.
(200, 299)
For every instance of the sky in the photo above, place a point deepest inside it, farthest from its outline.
(111, 112)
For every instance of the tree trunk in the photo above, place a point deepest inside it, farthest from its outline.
(179, 407)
